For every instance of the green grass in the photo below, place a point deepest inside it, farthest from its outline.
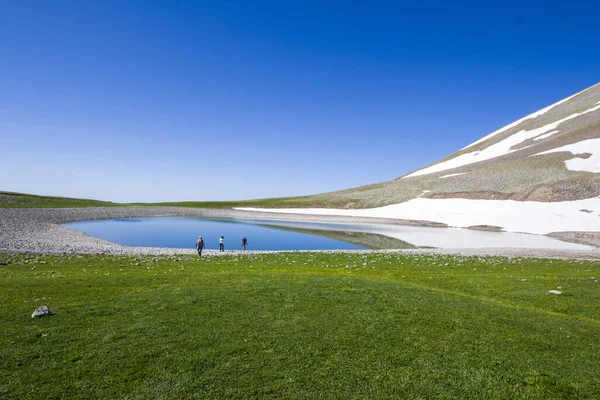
(299, 325)
(22, 200)
(289, 202)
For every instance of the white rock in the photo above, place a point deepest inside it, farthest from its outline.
(40, 312)
(553, 292)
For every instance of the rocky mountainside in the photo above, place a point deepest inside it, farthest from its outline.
(551, 155)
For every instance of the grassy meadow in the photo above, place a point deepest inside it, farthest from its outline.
(23, 200)
(298, 325)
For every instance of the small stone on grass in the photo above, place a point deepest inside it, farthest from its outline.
(40, 312)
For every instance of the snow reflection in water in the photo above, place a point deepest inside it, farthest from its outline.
(182, 232)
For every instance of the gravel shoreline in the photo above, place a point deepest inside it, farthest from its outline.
(38, 230)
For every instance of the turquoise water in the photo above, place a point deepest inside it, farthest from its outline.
(182, 232)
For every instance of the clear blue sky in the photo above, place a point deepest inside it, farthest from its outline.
(218, 100)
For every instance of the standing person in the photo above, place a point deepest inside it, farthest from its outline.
(200, 245)
(244, 243)
(222, 244)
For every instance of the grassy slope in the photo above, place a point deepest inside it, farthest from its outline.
(303, 325)
(22, 200)
(303, 201)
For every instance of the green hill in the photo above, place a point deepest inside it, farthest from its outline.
(22, 200)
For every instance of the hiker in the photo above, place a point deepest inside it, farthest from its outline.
(200, 245)
(244, 243)
(222, 244)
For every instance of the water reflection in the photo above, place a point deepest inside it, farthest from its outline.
(371, 241)
(182, 232)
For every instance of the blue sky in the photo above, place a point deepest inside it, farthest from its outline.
(209, 100)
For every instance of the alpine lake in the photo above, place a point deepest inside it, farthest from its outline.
(182, 232)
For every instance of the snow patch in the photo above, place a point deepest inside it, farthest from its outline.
(448, 176)
(513, 216)
(590, 146)
(424, 192)
(545, 135)
(497, 149)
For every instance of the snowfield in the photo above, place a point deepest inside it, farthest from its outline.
(511, 216)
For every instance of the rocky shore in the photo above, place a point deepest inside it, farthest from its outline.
(35, 230)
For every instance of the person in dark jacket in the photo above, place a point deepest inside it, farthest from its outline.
(200, 245)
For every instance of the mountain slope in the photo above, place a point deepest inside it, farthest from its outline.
(551, 155)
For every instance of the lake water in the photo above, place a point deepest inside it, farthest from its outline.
(182, 232)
